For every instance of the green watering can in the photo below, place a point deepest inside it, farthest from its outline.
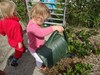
(54, 49)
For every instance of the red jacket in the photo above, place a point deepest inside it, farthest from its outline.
(12, 28)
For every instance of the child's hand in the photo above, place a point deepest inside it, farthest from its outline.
(20, 45)
(59, 28)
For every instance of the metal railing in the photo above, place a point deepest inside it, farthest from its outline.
(58, 14)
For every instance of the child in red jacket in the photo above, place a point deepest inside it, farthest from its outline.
(10, 26)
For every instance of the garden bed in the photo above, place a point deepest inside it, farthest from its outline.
(87, 60)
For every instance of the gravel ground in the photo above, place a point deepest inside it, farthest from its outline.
(25, 67)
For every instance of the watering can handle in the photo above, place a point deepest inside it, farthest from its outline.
(65, 36)
(64, 22)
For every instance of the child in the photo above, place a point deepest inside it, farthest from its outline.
(10, 26)
(36, 33)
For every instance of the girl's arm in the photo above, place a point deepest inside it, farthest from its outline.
(18, 34)
(40, 32)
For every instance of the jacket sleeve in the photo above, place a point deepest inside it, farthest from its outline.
(1, 29)
(18, 35)
(40, 32)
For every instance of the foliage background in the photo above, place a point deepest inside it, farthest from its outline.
(83, 13)
(22, 11)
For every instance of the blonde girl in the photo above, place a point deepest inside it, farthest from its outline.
(36, 33)
(10, 26)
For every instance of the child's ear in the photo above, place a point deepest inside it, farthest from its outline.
(15, 13)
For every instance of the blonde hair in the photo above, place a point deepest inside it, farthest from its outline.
(7, 9)
(40, 9)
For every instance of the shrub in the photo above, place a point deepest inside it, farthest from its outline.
(83, 13)
(22, 11)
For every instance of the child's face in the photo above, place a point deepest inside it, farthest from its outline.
(39, 20)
